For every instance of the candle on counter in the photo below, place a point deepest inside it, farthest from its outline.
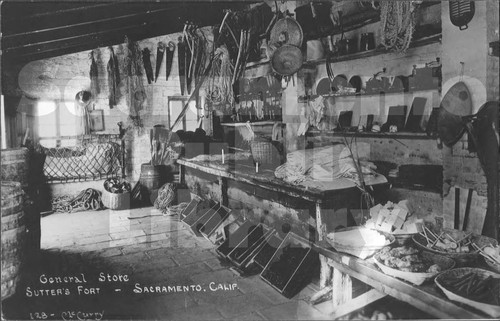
(256, 167)
(223, 156)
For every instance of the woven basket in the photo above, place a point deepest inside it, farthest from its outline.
(493, 265)
(461, 258)
(452, 294)
(115, 201)
(445, 263)
(266, 152)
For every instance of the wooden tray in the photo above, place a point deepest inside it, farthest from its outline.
(418, 277)
(490, 309)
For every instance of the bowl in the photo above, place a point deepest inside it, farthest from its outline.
(445, 263)
(363, 251)
(452, 294)
(460, 258)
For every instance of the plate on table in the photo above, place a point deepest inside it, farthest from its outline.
(482, 292)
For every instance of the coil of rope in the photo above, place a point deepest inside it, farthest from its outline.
(397, 22)
(89, 199)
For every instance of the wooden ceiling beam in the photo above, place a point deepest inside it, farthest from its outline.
(85, 14)
(13, 42)
(89, 42)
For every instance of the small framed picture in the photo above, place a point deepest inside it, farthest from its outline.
(97, 120)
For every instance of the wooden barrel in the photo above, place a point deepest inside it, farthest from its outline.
(151, 179)
(15, 165)
(13, 236)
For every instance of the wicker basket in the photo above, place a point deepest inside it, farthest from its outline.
(490, 309)
(115, 201)
(493, 265)
(445, 263)
(266, 152)
(461, 258)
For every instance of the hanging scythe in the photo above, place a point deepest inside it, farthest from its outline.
(196, 89)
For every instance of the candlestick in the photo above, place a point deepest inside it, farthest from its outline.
(223, 156)
(256, 167)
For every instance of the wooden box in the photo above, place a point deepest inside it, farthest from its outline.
(192, 206)
(291, 267)
(233, 240)
(267, 250)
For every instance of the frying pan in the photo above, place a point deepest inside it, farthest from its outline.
(287, 60)
(287, 31)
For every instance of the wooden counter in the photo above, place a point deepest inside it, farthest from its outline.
(338, 268)
(324, 195)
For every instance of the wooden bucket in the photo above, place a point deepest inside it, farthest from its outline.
(13, 236)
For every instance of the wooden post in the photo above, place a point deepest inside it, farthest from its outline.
(325, 270)
(342, 288)
(223, 190)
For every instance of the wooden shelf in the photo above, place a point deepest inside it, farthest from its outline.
(399, 135)
(375, 52)
(359, 95)
(359, 55)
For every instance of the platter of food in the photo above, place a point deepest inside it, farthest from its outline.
(459, 245)
(359, 241)
(411, 264)
(474, 287)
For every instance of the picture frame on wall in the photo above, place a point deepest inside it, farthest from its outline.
(96, 120)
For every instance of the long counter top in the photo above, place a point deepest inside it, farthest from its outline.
(314, 191)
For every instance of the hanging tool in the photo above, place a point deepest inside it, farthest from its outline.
(170, 57)
(113, 78)
(146, 60)
(181, 52)
(189, 56)
(159, 58)
(94, 83)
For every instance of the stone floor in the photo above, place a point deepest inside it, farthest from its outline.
(149, 249)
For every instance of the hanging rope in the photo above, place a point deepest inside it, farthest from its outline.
(397, 23)
(220, 89)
